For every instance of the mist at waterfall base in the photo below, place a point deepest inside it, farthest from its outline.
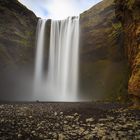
(17, 83)
(59, 82)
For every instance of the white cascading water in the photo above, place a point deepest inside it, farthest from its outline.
(61, 82)
(39, 55)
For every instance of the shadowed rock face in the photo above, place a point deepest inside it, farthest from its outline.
(128, 12)
(17, 34)
(103, 67)
(17, 44)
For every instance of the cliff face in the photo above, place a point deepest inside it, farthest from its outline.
(103, 56)
(103, 67)
(17, 47)
(128, 12)
(17, 34)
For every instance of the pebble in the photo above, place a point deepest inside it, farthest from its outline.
(19, 135)
(26, 121)
(89, 120)
(55, 113)
(61, 137)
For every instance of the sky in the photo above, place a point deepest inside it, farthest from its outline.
(58, 9)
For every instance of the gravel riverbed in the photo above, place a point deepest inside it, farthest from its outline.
(68, 121)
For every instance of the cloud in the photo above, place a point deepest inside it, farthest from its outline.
(58, 9)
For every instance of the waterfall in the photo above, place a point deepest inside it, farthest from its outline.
(39, 55)
(61, 83)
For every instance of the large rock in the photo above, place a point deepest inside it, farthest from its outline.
(103, 66)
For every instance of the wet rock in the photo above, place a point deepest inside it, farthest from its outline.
(30, 117)
(19, 135)
(121, 133)
(61, 113)
(61, 137)
(76, 114)
(53, 126)
(89, 137)
(65, 122)
(55, 113)
(69, 117)
(89, 120)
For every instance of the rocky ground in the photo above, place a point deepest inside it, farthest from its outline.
(68, 121)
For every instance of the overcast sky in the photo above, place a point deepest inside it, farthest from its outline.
(58, 9)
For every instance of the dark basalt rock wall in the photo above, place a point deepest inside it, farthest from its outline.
(128, 13)
(17, 34)
(103, 68)
(17, 47)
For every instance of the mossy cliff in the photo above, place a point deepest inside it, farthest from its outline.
(128, 13)
(17, 34)
(103, 67)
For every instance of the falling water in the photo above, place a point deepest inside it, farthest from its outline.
(39, 55)
(61, 82)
